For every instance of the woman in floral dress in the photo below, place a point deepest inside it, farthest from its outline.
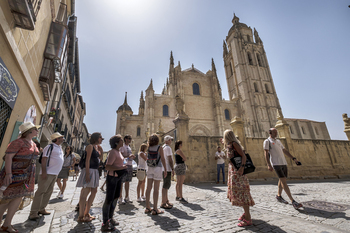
(18, 173)
(238, 184)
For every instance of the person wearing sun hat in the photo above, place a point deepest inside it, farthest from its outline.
(20, 157)
(51, 166)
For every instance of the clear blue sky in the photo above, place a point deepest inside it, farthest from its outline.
(125, 44)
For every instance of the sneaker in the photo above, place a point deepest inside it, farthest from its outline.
(127, 200)
(177, 199)
(59, 194)
(183, 201)
(139, 199)
(107, 227)
(296, 205)
(280, 199)
(144, 198)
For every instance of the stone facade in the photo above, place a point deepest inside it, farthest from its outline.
(191, 108)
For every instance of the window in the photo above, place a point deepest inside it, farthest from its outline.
(259, 60)
(302, 129)
(291, 130)
(165, 110)
(138, 132)
(248, 38)
(267, 88)
(250, 60)
(316, 130)
(195, 88)
(227, 114)
(256, 87)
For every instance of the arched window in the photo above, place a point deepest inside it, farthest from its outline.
(231, 70)
(250, 60)
(248, 38)
(227, 114)
(267, 88)
(195, 88)
(256, 87)
(291, 130)
(165, 110)
(138, 132)
(259, 60)
(302, 129)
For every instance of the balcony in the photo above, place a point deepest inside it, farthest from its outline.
(47, 78)
(24, 12)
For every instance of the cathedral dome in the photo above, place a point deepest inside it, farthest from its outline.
(124, 106)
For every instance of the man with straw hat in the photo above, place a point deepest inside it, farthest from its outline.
(51, 165)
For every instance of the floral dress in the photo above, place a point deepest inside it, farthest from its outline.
(23, 170)
(238, 187)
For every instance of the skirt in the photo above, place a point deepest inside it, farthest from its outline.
(180, 169)
(94, 179)
(64, 173)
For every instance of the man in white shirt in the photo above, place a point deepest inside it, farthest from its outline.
(51, 165)
(168, 154)
(275, 160)
(127, 154)
(220, 164)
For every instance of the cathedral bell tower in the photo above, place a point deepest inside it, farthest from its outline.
(249, 79)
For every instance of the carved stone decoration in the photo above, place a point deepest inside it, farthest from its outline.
(180, 107)
(346, 120)
(160, 127)
(280, 118)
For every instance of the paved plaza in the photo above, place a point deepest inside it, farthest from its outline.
(326, 209)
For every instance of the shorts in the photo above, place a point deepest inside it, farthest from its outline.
(281, 171)
(155, 173)
(167, 181)
(180, 169)
(128, 176)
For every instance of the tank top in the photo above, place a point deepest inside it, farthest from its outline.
(95, 159)
(142, 162)
(178, 159)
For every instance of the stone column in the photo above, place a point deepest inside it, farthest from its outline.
(283, 131)
(237, 126)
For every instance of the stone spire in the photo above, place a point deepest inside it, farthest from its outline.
(257, 37)
(225, 48)
(142, 105)
(150, 87)
(213, 68)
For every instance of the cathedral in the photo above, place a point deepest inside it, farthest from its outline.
(197, 96)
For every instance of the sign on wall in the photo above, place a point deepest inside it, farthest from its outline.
(8, 87)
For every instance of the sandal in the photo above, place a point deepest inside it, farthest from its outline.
(156, 212)
(148, 210)
(169, 204)
(80, 219)
(242, 217)
(166, 206)
(6, 229)
(245, 223)
(90, 216)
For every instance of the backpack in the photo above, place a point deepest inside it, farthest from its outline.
(153, 158)
(48, 153)
(82, 160)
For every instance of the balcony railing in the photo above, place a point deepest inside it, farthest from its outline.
(25, 12)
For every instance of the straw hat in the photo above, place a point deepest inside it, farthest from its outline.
(27, 126)
(55, 135)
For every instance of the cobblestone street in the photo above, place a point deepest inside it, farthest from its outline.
(326, 209)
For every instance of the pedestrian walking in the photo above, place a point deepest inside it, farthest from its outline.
(51, 165)
(76, 169)
(69, 161)
(220, 164)
(116, 170)
(89, 177)
(155, 163)
(238, 190)
(275, 160)
(180, 171)
(141, 173)
(18, 174)
(127, 154)
(168, 155)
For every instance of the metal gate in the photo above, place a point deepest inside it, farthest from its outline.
(5, 113)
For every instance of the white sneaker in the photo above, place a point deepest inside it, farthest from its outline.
(140, 199)
(59, 194)
(127, 200)
(143, 197)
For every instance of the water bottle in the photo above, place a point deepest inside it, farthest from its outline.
(2, 189)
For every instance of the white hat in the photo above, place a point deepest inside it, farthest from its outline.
(55, 135)
(167, 138)
(27, 126)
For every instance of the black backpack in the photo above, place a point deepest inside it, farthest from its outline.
(82, 160)
(48, 153)
(153, 158)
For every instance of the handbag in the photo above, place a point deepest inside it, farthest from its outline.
(71, 172)
(236, 160)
